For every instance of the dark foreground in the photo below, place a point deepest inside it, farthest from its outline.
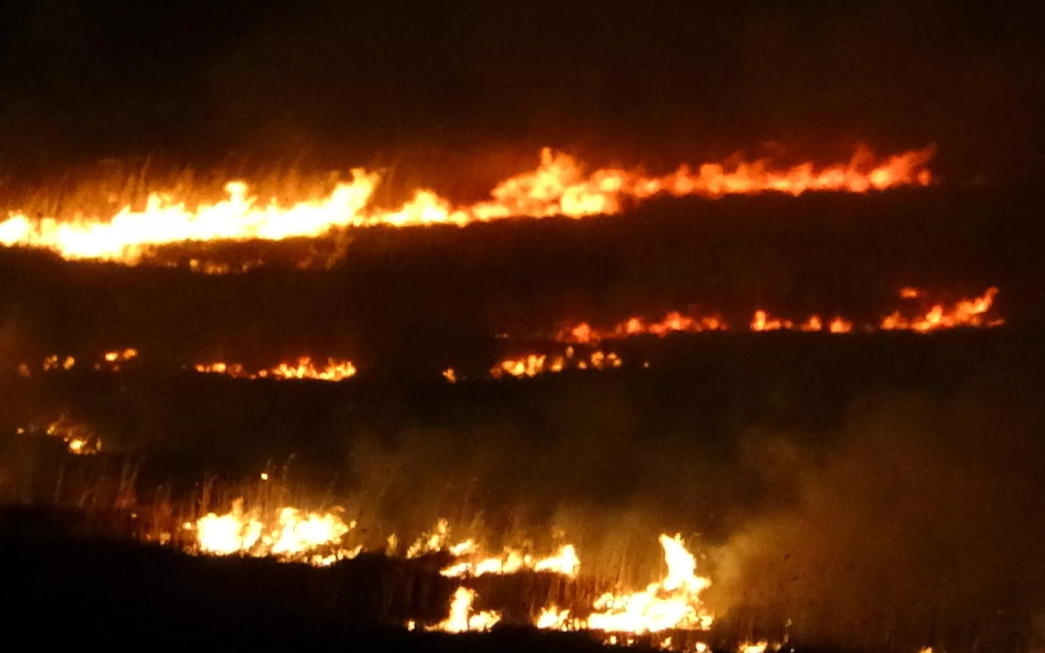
(104, 586)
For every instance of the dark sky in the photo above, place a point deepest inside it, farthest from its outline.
(656, 80)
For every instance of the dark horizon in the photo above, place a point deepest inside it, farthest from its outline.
(657, 83)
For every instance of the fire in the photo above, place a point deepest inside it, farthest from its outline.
(302, 368)
(431, 542)
(79, 438)
(673, 322)
(462, 618)
(564, 561)
(113, 359)
(535, 364)
(964, 313)
(53, 363)
(559, 186)
(671, 603)
(553, 619)
(292, 535)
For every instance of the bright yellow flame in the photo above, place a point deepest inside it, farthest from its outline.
(553, 619)
(564, 561)
(535, 364)
(302, 368)
(431, 542)
(672, 603)
(293, 535)
(964, 313)
(79, 438)
(462, 619)
(559, 186)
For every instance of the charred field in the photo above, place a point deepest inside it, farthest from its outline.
(874, 490)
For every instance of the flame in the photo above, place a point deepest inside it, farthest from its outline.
(671, 603)
(559, 186)
(759, 647)
(79, 438)
(533, 364)
(964, 313)
(674, 322)
(462, 619)
(551, 618)
(52, 363)
(432, 541)
(302, 368)
(564, 561)
(293, 535)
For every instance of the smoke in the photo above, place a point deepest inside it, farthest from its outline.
(924, 511)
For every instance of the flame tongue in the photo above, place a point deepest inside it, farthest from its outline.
(559, 186)
(672, 603)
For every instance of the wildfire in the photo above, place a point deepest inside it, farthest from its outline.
(534, 364)
(967, 312)
(292, 535)
(559, 186)
(462, 618)
(303, 368)
(53, 363)
(112, 360)
(564, 562)
(78, 438)
(671, 603)
(939, 316)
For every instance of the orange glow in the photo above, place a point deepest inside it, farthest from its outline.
(559, 186)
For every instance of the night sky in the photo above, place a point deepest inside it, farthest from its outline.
(658, 82)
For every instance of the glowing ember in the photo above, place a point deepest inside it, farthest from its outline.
(113, 359)
(292, 535)
(559, 186)
(552, 619)
(462, 619)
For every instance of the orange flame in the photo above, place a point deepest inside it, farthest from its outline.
(559, 186)
(292, 535)
(964, 313)
(303, 368)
